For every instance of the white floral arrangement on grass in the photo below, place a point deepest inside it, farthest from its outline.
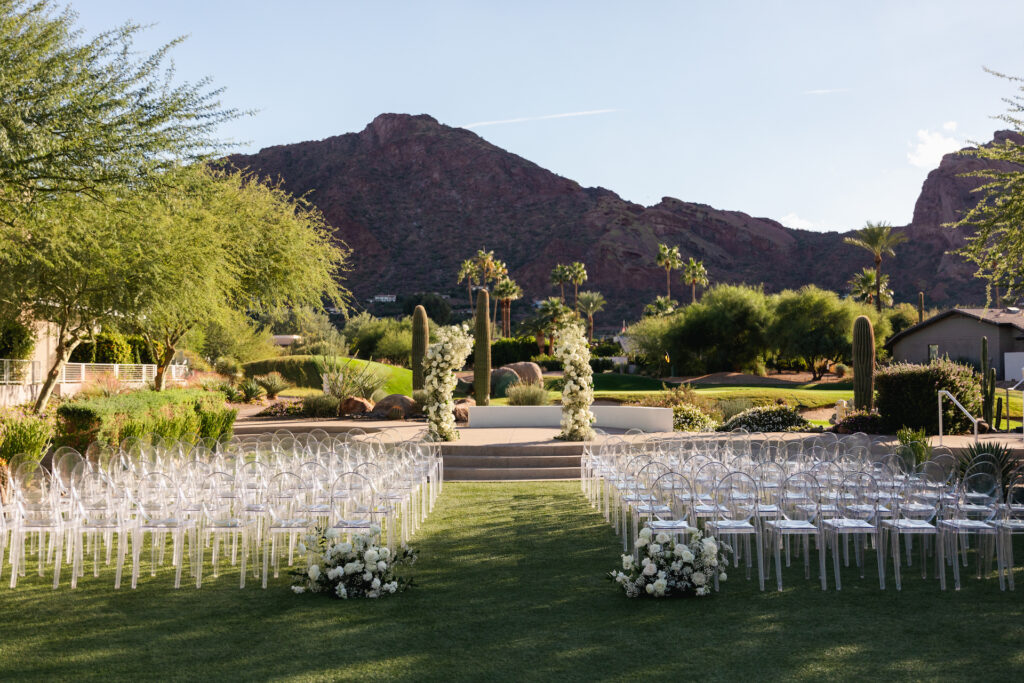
(573, 350)
(440, 362)
(359, 568)
(668, 568)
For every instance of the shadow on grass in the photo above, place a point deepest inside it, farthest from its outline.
(511, 586)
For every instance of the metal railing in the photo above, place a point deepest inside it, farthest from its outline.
(29, 372)
(18, 372)
(951, 397)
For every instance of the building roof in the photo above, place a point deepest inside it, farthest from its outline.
(1000, 317)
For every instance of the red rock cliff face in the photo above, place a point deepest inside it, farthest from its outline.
(413, 198)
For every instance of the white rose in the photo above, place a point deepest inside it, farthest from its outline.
(332, 534)
(385, 553)
(302, 548)
(382, 566)
(645, 532)
(662, 538)
(687, 555)
(722, 576)
(627, 562)
(679, 550)
(371, 556)
(375, 584)
(654, 549)
(298, 589)
(341, 591)
(313, 572)
(367, 576)
(699, 579)
(641, 542)
(649, 588)
(651, 569)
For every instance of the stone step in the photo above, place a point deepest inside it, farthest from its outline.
(511, 461)
(509, 473)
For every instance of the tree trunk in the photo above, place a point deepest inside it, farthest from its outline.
(160, 381)
(540, 341)
(561, 287)
(693, 292)
(64, 350)
(575, 297)
(494, 319)
(590, 326)
(878, 285)
(668, 283)
(469, 292)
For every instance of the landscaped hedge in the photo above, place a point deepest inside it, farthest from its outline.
(907, 396)
(302, 372)
(777, 418)
(690, 418)
(549, 363)
(23, 438)
(172, 414)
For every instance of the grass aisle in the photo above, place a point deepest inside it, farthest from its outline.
(511, 587)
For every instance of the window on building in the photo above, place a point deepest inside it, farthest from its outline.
(933, 352)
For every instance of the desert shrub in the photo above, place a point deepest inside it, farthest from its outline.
(379, 395)
(395, 346)
(527, 394)
(602, 364)
(231, 393)
(173, 413)
(235, 336)
(23, 438)
(690, 418)
(841, 369)
(672, 396)
(105, 384)
(916, 441)
(17, 339)
(113, 348)
(648, 341)
(907, 396)
(251, 390)
(195, 361)
(364, 332)
(511, 350)
(728, 407)
(776, 418)
(227, 366)
(420, 396)
(549, 363)
(998, 461)
(321, 406)
(216, 422)
(273, 383)
(345, 377)
(861, 421)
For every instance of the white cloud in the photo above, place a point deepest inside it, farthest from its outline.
(592, 112)
(791, 220)
(825, 91)
(931, 145)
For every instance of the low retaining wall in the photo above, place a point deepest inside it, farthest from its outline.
(613, 417)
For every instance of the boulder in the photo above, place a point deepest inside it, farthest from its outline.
(385, 405)
(501, 380)
(463, 386)
(528, 372)
(354, 405)
(462, 409)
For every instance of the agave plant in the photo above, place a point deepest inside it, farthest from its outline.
(251, 390)
(273, 383)
(991, 457)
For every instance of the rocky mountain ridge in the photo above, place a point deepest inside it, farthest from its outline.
(413, 198)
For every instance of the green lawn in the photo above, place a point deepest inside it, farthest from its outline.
(511, 587)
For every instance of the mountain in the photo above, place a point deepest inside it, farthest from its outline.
(413, 198)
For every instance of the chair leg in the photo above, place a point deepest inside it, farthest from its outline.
(835, 559)
(821, 560)
(881, 562)
(776, 543)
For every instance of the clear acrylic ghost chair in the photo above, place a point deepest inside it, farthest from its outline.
(671, 510)
(913, 516)
(354, 504)
(223, 520)
(641, 499)
(287, 518)
(734, 502)
(1010, 522)
(98, 516)
(156, 505)
(35, 513)
(979, 499)
(858, 518)
(798, 501)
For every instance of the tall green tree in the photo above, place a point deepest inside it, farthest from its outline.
(694, 273)
(669, 260)
(553, 313)
(660, 306)
(864, 286)
(577, 275)
(590, 304)
(880, 240)
(90, 116)
(559, 276)
(996, 246)
(225, 242)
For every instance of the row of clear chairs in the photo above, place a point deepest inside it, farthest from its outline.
(837, 492)
(247, 500)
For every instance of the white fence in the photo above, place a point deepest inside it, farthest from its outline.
(20, 379)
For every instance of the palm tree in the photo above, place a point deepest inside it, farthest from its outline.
(863, 287)
(559, 276)
(535, 325)
(577, 273)
(468, 272)
(660, 306)
(553, 312)
(669, 259)
(507, 291)
(880, 240)
(590, 303)
(694, 273)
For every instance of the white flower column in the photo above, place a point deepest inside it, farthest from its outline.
(578, 383)
(442, 359)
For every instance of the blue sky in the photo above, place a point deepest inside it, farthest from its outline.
(818, 114)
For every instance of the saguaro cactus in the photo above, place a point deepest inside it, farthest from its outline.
(988, 385)
(863, 364)
(420, 341)
(482, 351)
(920, 307)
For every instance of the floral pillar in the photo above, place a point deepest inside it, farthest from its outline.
(440, 362)
(578, 383)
